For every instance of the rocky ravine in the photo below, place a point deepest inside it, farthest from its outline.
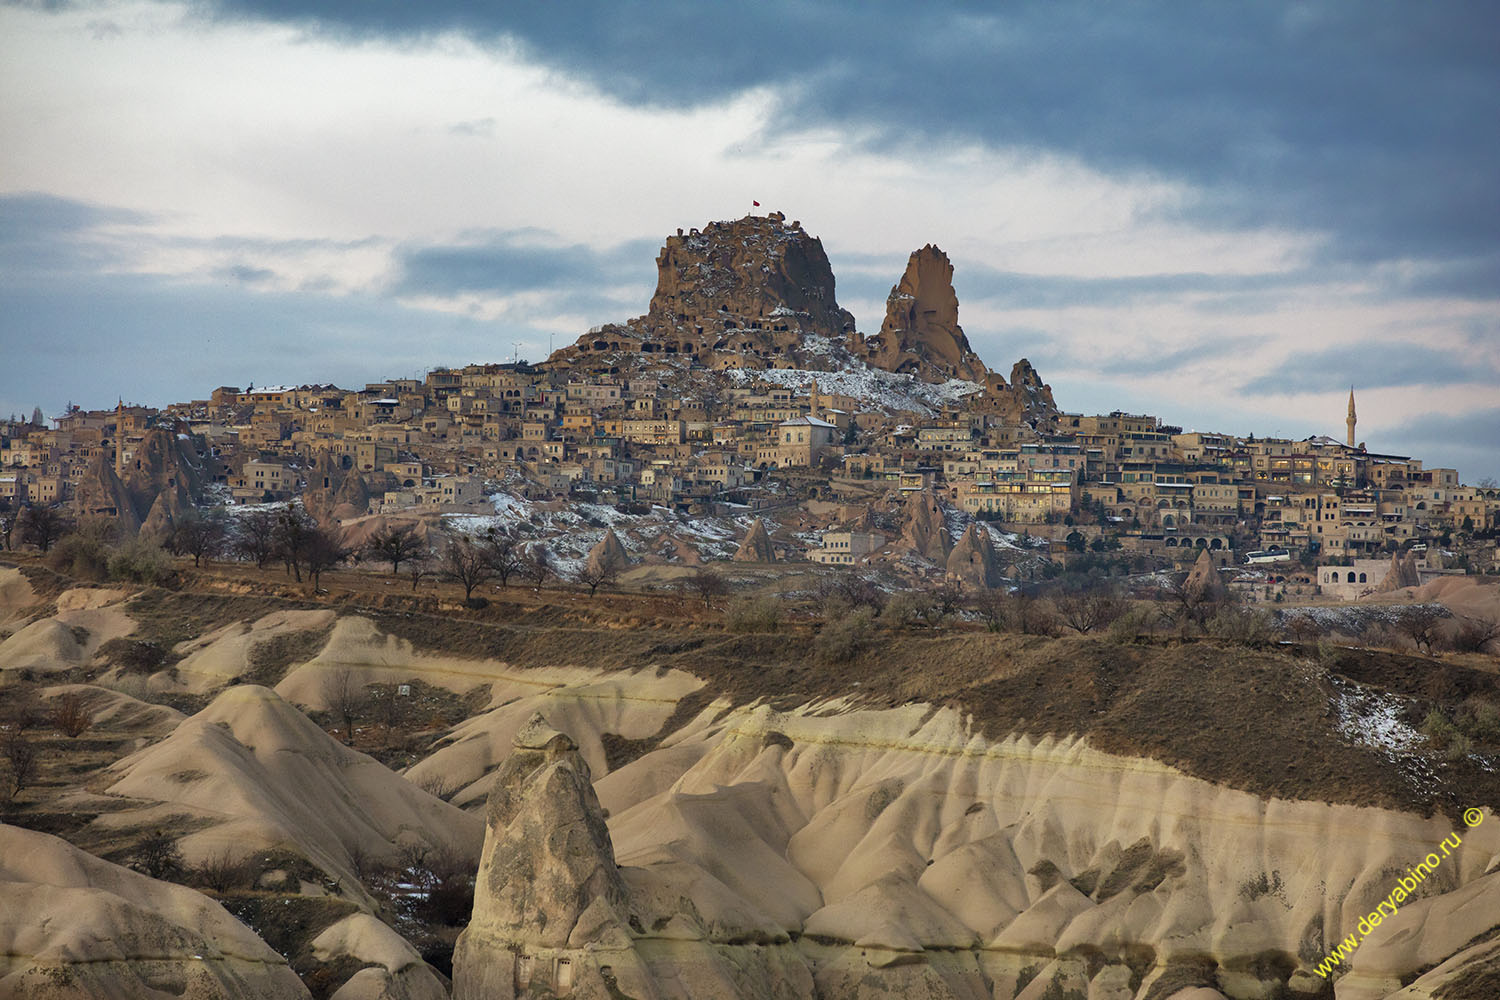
(646, 836)
(855, 853)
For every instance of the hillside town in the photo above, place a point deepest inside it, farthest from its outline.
(746, 395)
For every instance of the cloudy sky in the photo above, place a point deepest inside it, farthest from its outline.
(1222, 214)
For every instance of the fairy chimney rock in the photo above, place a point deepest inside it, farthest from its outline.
(1203, 583)
(973, 559)
(925, 532)
(920, 333)
(756, 546)
(549, 896)
(608, 554)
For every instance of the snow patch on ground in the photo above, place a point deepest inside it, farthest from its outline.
(1373, 719)
(1350, 619)
(885, 390)
(571, 530)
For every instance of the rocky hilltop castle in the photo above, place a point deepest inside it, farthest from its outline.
(759, 293)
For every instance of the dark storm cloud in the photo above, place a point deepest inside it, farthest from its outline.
(1468, 442)
(1370, 366)
(40, 233)
(1480, 429)
(504, 263)
(1370, 121)
(1015, 290)
(157, 340)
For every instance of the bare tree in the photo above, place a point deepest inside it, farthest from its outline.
(466, 563)
(594, 577)
(7, 526)
(198, 535)
(537, 564)
(323, 550)
(852, 590)
(21, 755)
(222, 872)
(69, 716)
(394, 544)
(996, 606)
(157, 855)
(707, 585)
(346, 699)
(255, 537)
(1422, 624)
(367, 865)
(1086, 611)
(41, 525)
(948, 596)
(293, 534)
(1475, 634)
(504, 553)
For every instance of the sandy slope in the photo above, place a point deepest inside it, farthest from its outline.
(914, 857)
(267, 777)
(73, 926)
(586, 704)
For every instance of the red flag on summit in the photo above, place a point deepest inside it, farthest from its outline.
(756, 204)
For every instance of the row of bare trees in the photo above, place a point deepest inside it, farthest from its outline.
(495, 554)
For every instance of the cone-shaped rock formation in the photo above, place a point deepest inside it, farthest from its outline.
(925, 533)
(756, 546)
(973, 559)
(608, 554)
(1204, 585)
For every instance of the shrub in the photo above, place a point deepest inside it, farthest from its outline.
(910, 608)
(1445, 737)
(753, 614)
(82, 556)
(1130, 626)
(156, 855)
(221, 872)
(69, 717)
(1242, 626)
(141, 561)
(1480, 720)
(844, 640)
(134, 656)
(1036, 617)
(438, 785)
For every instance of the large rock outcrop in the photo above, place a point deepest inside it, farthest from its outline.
(925, 531)
(551, 912)
(1025, 399)
(1403, 573)
(164, 460)
(920, 333)
(608, 556)
(1204, 585)
(101, 493)
(73, 927)
(743, 293)
(756, 546)
(264, 777)
(973, 559)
